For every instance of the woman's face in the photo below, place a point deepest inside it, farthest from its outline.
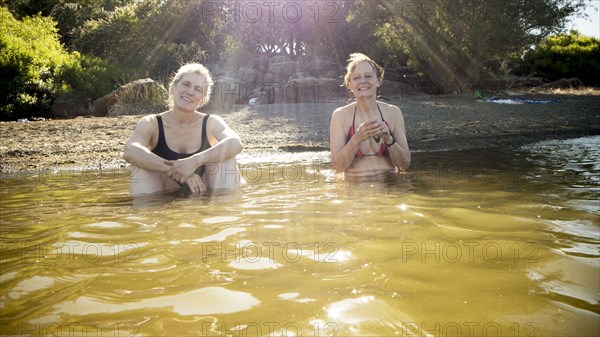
(363, 80)
(188, 93)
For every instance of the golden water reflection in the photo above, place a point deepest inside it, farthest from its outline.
(483, 253)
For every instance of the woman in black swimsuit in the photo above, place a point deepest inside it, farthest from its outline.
(182, 146)
(367, 137)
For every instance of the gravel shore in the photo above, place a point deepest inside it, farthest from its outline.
(434, 123)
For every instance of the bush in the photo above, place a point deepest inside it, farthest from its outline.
(566, 56)
(90, 76)
(30, 58)
(36, 68)
(153, 37)
(70, 17)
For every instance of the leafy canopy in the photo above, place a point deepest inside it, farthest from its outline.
(31, 61)
(564, 56)
(453, 43)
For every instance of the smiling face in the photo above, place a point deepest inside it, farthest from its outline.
(363, 80)
(191, 77)
(188, 92)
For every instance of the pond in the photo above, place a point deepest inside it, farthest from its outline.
(471, 243)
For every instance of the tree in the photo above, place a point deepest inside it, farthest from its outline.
(291, 28)
(453, 42)
(564, 56)
(71, 16)
(31, 61)
(271, 28)
(24, 8)
(153, 37)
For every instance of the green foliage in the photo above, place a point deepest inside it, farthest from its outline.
(107, 37)
(31, 60)
(90, 76)
(153, 37)
(293, 28)
(36, 68)
(452, 43)
(565, 56)
(24, 8)
(70, 17)
(238, 57)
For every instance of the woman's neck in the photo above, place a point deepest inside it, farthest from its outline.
(366, 105)
(182, 117)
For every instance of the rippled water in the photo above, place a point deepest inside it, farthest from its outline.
(468, 244)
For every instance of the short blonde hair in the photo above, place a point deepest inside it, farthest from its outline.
(355, 59)
(192, 68)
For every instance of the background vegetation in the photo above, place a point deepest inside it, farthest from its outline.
(87, 47)
(564, 56)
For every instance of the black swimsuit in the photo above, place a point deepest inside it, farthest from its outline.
(162, 149)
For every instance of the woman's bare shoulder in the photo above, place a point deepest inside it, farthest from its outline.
(216, 122)
(148, 118)
(213, 117)
(389, 107)
(344, 109)
(148, 123)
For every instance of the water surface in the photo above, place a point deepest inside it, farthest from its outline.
(473, 243)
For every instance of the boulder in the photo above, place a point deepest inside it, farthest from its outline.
(227, 91)
(138, 90)
(103, 104)
(312, 90)
(395, 89)
(271, 93)
(334, 74)
(491, 84)
(70, 106)
(270, 78)
(318, 67)
(527, 82)
(260, 64)
(300, 75)
(249, 75)
(217, 71)
(564, 83)
(281, 72)
(280, 79)
(280, 59)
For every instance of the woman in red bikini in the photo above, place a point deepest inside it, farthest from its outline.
(367, 137)
(182, 146)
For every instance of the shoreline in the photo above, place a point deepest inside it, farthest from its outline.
(433, 124)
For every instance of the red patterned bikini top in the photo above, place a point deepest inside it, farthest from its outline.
(383, 151)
